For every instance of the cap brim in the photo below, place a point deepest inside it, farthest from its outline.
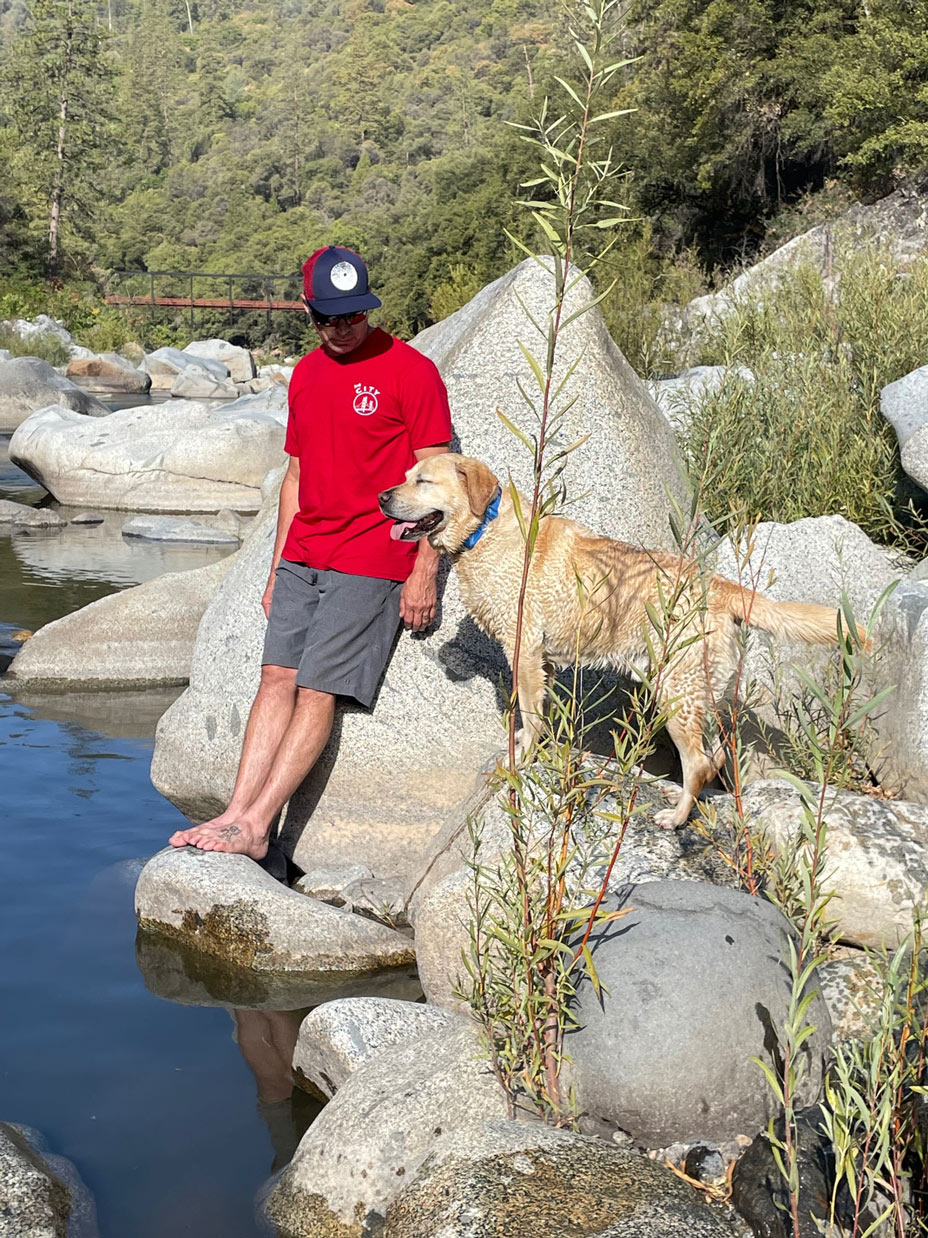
(345, 305)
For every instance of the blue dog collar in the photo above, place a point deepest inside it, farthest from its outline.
(488, 517)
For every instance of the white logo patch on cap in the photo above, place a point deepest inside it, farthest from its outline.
(344, 276)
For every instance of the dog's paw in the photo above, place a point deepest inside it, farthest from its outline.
(523, 744)
(670, 818)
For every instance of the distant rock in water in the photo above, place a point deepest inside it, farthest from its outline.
(107, 372)
(181, 456)
(28, 384)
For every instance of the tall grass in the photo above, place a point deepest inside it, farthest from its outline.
(806, 437)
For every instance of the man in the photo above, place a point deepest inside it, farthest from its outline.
(363, 409)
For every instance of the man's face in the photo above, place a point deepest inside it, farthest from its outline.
(342, 334)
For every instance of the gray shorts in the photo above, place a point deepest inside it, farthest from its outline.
(336, 630)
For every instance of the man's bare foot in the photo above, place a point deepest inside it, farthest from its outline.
(237, 836)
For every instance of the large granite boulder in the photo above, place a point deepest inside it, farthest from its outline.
(338, 1037)
(899, 221)
(195, 384)
(904, 404)
(378, 1128)
(164, 365)
(107, 371)
(41, 1194)
(183, 456)
(877, 858)
(696, 985)
(28, 384)
(387, 778)
(137, 638)
(227, 906)
(523, 1180)
(238, 361)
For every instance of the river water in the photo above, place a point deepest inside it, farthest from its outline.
(170, 1126)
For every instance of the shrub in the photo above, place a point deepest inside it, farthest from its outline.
(806, 437)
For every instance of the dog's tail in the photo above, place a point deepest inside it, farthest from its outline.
(805, 621)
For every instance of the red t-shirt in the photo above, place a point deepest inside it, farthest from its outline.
(355, 423)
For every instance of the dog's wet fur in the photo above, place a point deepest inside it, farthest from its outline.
(588, 598)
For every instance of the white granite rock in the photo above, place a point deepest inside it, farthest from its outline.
(877, 859)
(164, 364)
(238, 361)
(41, 1194)
(904, 404)
(135, 638)
(42, 324)
(676, 396)
(388, 778)
(902, 724)
(338, 1037)
(28, 384)
(326, 884)
(181, 456)
(225, 905)
(197, 385)
(378, 1128)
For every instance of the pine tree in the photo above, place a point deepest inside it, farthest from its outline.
(57, 87)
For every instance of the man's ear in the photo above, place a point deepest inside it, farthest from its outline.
(479, 483)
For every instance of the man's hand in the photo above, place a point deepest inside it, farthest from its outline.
(419, 598)
(267, 595)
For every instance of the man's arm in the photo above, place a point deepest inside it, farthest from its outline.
(420, 592)
(286, 510)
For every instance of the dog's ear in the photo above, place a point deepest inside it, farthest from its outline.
(479, 483)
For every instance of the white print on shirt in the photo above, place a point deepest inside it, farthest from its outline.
(365, 401)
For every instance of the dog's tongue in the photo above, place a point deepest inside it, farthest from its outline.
(397, 530)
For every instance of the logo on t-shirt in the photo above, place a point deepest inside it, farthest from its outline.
(365, 400)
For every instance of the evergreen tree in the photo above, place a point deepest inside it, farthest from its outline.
(57, 88)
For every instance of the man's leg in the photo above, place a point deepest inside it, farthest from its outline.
(303, 740)
(268, 720)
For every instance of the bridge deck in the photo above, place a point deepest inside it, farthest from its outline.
(202, 302)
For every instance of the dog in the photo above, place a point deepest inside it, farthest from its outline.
(593, 599)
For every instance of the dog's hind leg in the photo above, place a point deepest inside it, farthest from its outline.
(532, 689)
(685, 728)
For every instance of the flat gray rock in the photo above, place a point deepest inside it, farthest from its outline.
(225, 905)
(181, 456)
(138, 637)
(175, 529)
(877, 860)
(852, 987)
(901, 725)
(326, 884)
(238, 361)
(523, 1180)
(338, 1037)
(388, 778)
(24, 516)
(28, 384)
(694, 984)
(41, 1194)
(107, 371)
(87, 518)
(378, 1128)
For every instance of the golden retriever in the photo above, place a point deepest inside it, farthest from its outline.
(596, 600)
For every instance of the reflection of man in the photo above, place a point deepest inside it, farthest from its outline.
(363, 409)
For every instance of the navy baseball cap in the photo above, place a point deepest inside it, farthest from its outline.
(335, 282)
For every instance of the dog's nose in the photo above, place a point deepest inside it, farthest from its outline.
(384, 496)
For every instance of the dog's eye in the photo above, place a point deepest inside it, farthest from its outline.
(422, 481)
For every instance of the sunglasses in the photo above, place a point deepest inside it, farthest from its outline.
(330, 320)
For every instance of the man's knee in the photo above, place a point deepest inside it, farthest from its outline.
(311, 698)
(278, 679)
